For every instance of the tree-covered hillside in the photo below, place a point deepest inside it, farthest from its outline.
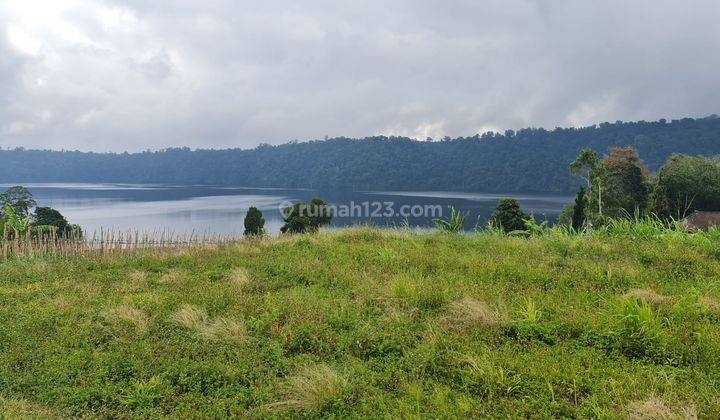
(529, 160)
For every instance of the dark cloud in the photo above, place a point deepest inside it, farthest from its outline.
(117, 75)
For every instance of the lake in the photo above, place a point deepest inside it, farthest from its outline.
(221, 210)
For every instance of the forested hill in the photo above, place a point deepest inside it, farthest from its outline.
(529, 160)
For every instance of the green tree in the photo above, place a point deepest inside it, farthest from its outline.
(565, 216)
(620, 184)
(20, 199)
(578, 214)
(687, 183)
(509, 216)
(14, 223)
(46, 216)
(584, 164)
(306, 217)
(254, 222)
(15, 226)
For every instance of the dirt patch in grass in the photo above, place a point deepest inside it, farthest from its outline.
(206, 328)
(127, 315)
(655, 409)
(649, 296)
(712, 305)
(173, 277)
(468, 313)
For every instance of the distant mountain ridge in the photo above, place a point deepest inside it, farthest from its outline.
(528, 160)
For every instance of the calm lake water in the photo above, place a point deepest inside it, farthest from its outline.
(220, 210)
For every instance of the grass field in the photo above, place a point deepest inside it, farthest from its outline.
(370, 323)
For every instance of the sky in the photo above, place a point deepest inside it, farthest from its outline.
(133, 75)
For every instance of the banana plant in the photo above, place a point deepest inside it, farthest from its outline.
(21, 225)
(13, 221)
(454, 224)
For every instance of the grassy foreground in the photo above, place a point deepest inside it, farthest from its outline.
(374, 323)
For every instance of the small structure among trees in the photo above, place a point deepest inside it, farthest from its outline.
(702, 220)
(620, 186)
(686, 184)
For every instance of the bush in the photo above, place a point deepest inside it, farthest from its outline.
(565, 216)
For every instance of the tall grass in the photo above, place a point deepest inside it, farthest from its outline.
(114, 242)
(103, 243)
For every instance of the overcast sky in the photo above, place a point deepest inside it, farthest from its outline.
(134, 75)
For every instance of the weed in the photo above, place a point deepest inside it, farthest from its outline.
(638, 331)
(142, 394)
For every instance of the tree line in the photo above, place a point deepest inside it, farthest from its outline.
(527, 160)
(618, 186)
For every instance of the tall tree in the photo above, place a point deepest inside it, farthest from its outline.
(584, 164)
(20, 199)
(620, 184)
(578, 215)
(585, 167)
